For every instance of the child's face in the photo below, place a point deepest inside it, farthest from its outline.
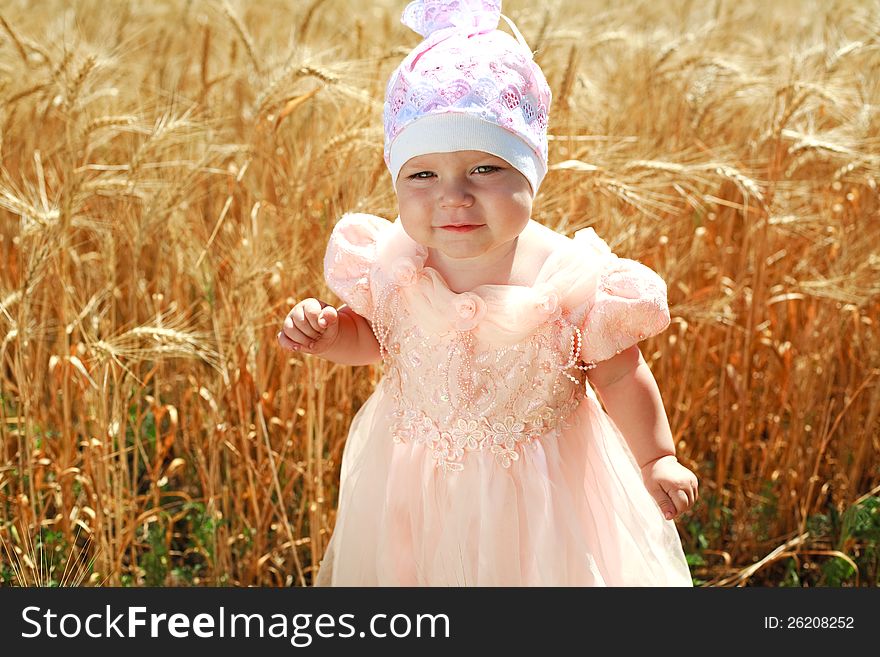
(439, 194)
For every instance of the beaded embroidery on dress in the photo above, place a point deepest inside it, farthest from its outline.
(483, 457)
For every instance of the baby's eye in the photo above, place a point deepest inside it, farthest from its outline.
(486, 168)
(421, 175)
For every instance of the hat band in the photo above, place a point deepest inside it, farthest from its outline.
(449, 131)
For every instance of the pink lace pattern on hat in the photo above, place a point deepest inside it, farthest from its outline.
(475, 69)
(473, 16)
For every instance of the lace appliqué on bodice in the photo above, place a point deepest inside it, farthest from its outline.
(456, 396)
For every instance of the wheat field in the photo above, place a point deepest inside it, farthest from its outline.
(170, 172)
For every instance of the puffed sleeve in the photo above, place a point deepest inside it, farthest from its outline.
(349, 259)
(629, 305)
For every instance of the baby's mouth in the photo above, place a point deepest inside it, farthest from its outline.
(461, 228)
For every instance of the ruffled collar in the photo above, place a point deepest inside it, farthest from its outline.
(502, 313)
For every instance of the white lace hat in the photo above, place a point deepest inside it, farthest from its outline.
(467, 86)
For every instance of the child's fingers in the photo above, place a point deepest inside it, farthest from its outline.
(306, 326)
(681, 501)
(673, 502)
(304, 317)
(313, 310)
(666, 506)
(692, 494)
(288, 344)
(293, 330)
(327, 317)
(689, 487)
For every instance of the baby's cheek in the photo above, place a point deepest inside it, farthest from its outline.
(418, 229)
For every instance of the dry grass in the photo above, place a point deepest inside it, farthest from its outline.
(169, 172)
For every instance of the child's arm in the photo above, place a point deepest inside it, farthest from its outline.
(632, 399)
(338, 335)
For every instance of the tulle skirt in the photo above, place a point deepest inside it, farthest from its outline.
(572, 511)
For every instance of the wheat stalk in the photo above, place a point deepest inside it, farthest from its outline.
(243, 34)
(19, 46)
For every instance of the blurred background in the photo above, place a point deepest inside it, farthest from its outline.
(169, 174)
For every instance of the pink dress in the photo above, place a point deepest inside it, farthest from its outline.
(483, 458)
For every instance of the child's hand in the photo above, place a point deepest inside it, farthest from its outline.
(671, 484)
(311, 327)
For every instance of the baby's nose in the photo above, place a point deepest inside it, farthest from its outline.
(455, 196)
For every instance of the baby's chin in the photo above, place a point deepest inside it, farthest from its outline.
(461, 250)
